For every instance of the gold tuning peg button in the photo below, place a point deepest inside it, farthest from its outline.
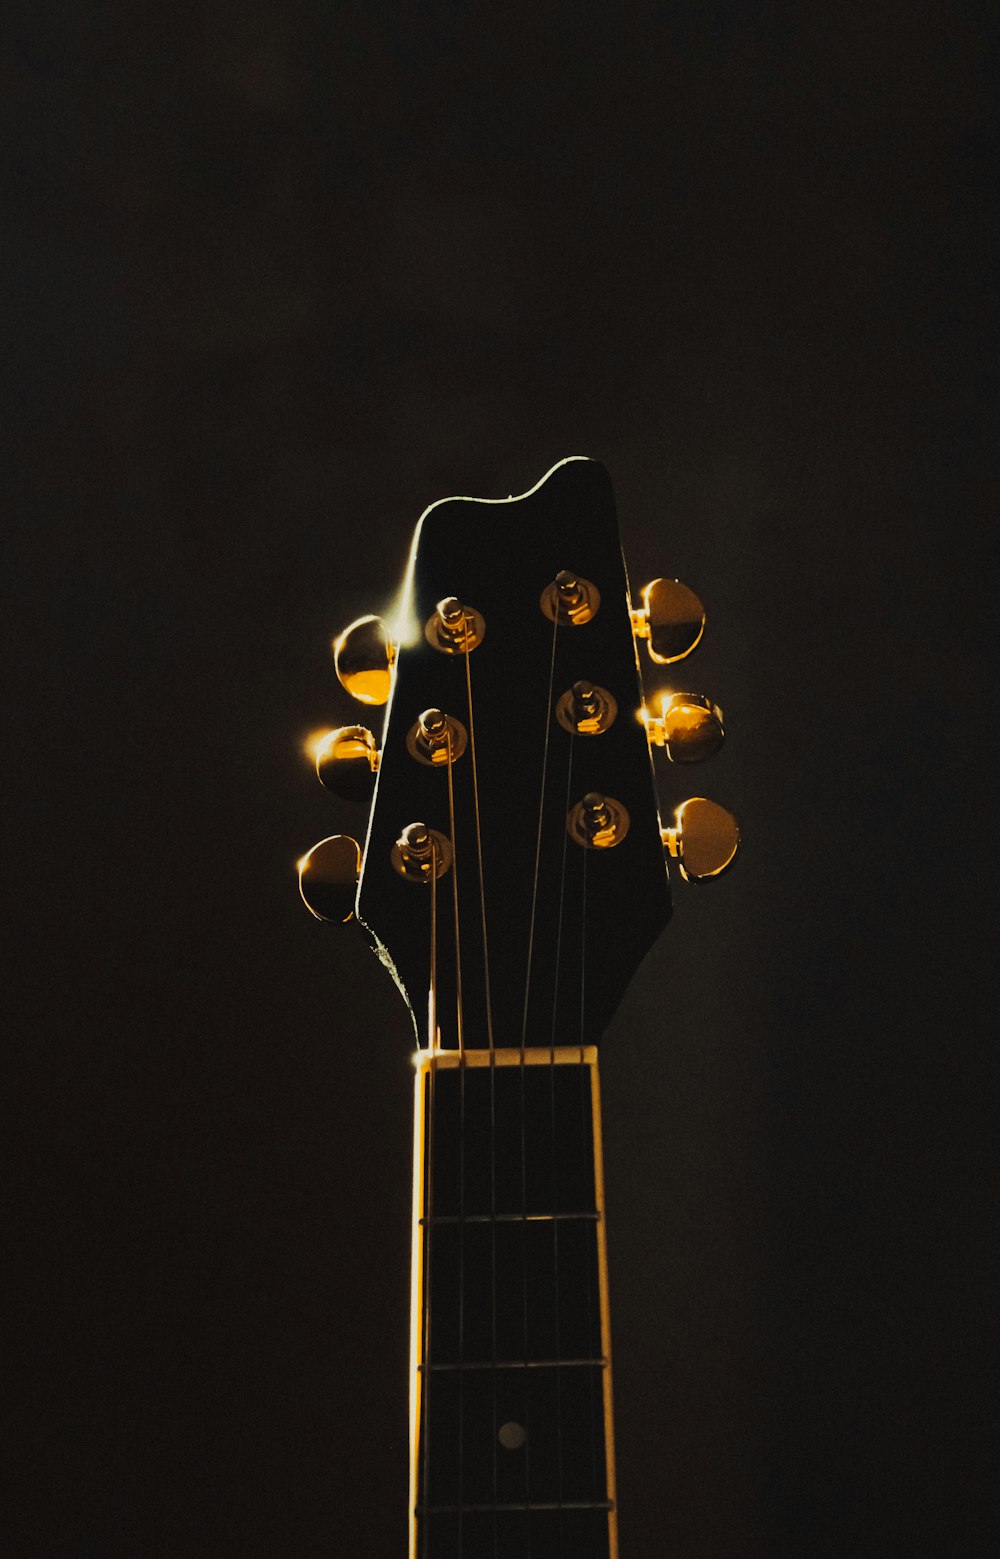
(689, 727)
(347, 762)
(328, 877)
(363, 655)
(671, 620)
(704, 841)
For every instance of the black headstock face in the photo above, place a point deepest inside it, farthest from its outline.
(553, 928)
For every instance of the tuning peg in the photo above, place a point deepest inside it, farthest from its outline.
(363, 655)
(328, 877)
(347, 762)
(688, 727)
(671, 620)
(598, 822)
(421, 853)
(704, 841)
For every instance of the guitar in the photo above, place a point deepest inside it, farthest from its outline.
(512, 880)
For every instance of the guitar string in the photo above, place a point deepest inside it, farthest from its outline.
(555, 1152)
(523, 1069)
(432, 1023)
(459, 1016)
(428, 1105)
(431, 1091)
(584, 1081)
(460, 1035)
(538, 837)
(492, 1080)
(429, 1214)
(489, 1022)
(479, 850)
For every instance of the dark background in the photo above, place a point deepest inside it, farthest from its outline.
(278, 276)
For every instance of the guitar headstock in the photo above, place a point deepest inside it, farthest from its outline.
(514, 861)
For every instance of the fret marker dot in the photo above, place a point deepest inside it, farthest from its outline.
(512, 1436)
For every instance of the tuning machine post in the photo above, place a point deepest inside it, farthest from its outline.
(586, 709)
(436, 738)
(455, 628)
(570, 599)
(598, 822)
(421, 854)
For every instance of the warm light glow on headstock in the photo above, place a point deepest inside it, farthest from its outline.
(313, 744)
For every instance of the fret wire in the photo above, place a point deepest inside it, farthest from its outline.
(576, 1504)
(519, 1364)
(444, 1218)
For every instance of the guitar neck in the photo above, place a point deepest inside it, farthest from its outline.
(512, 1448)
(513, 879)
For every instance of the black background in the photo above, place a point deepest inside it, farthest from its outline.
(279, 275)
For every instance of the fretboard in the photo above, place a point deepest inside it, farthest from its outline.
(512, 1393)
